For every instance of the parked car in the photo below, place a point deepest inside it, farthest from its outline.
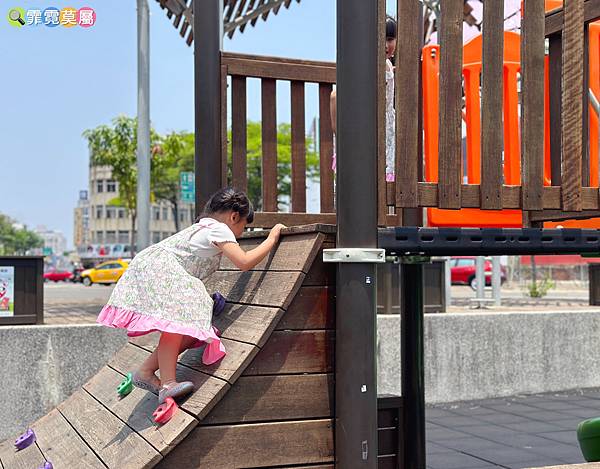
(462, 271)
(106, 273)
(57, 275)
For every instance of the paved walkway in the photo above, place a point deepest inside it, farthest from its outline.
(513, 432)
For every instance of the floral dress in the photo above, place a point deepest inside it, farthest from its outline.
(163, 289)
(390, 126)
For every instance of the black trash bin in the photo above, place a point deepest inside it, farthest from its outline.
(21, 290)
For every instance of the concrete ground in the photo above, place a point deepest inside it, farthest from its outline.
(73, 303)
(514, 432)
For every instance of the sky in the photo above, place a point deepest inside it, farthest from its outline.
(57, 82)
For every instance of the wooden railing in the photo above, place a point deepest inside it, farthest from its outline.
(570, 194)
(297, 72)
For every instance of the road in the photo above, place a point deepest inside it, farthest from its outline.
(73, 303)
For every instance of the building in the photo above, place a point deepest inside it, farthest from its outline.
(81, 220)
(109, 225)
(55, 243)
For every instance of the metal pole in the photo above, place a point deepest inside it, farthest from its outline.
(208, 41)
(480, 277)
(356, 366)
(496, 281)
(143, 127)
(448, 281)
(413, 365)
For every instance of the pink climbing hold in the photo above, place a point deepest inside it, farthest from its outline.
(165, 411)
(25, 440)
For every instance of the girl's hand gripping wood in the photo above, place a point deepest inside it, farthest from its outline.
(246, 260)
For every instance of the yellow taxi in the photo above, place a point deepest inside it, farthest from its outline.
(106, 272)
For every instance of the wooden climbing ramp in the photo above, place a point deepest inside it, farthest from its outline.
(268, 403)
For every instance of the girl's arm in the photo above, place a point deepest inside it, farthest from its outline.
(246, 260)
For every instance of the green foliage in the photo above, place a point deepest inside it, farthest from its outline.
(540, 289)
(15, 241)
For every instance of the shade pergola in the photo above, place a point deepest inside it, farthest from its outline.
(236, 14)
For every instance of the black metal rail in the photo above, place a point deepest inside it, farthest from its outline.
(402, 241)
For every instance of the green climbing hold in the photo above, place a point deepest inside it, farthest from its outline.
(126, 385)
(588, 434)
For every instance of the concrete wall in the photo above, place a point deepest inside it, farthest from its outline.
(43, 365)
(483, 355)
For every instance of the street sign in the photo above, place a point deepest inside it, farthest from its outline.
(187, 184)
(47, 251)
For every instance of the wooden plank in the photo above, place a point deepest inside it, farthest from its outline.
(269, 144)
(387, 441)
(288, 352)
(555, 96)
(491, 105)
(408, 158)
(208, 389)
(261, 288)
(290, 69)
(312, 308)
(294, 253)
(298, 196)
(572, 104)
(249, 324)
(272, 398)
(559, 215)
(113, 441)
(255, 445)
(450, 118)
(29, 458)
(325, 149)
(554, 20)
(61, 445)
(239, 133)
(268, 219)
(232, 57)
(328, 230)
(532, 119)
(321, 273)
(224, 164)
(136, 410)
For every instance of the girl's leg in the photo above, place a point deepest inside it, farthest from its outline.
(150, 365)
(168, 351)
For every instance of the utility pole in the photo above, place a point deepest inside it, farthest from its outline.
(143, 127)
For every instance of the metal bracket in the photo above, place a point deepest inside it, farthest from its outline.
(355, 255)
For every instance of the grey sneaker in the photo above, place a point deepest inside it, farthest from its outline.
(175, 390)
(143, 384)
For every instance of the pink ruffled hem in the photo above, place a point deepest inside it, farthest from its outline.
(389, 177)
(139, 324)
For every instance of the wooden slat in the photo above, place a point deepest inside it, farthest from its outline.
(298, 196)
(269, 144)
(325, 149)
(61, 445)
(312, 308)
(274, 289)
(280, 69)
(29, 458)
(255, 445)
(450, 99)
(532, 118)
(115, 443)
(289, 352)
(239, 133)
(572, 111)
(135, 411)
(272, 398)
(555, 96)
(491, 105)
(321, 273)
(407, 97)
(224, 163)
(249, 324)
(554, 20)
(208, 389)
(270, 219)
(559, 215)
(294, 253)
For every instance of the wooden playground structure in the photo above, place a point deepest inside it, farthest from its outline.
(298, 386)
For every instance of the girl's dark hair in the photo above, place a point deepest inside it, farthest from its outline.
(390, 27)
(230, 199)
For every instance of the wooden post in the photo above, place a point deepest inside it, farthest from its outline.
(208, 38)
(356, 366)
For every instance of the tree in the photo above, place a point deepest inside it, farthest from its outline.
(17, 241)
(115, 146)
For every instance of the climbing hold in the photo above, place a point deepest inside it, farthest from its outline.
(47, 465)
(25, 439)
(126, 385)
(165, 411)
(219, 303)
